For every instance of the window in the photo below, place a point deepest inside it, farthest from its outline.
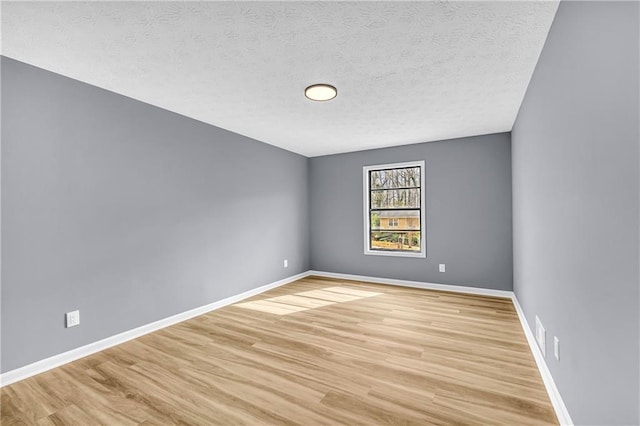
(394, 209)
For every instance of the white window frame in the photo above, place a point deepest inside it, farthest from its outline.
(367, 216)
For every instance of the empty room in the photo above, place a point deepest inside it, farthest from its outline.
(320, 213)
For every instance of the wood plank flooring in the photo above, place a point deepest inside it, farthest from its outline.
(314, 352)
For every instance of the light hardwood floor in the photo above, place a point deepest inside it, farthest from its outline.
(314, 352)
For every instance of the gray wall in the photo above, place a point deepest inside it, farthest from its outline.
(575, 207)
(130, 213)
(468, 213)
(0, 207)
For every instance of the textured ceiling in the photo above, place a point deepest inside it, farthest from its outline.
(405, 72)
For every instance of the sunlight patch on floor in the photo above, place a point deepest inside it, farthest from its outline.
(303, 301)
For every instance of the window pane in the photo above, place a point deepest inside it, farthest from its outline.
(395, 198)
(395, 178)
(394, 203)
(395, 220)
(395, 241)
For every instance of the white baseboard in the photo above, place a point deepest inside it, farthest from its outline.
(417, 284)
(556, 400)
(83, 351)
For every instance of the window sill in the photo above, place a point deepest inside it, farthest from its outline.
(421, 255)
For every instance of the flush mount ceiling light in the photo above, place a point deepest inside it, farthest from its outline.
(321, 92)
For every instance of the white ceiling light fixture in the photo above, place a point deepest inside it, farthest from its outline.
(321, 92)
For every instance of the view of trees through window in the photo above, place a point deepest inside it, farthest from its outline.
(394, 209)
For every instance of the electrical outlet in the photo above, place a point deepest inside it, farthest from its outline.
(556, 347)
(541, 336)
(441, 267)
(286, 263)
(73, 318)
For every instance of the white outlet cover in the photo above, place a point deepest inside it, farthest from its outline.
(286, 263)
(442, 267)
(556, 347)
(541, 336)
(73, 318)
